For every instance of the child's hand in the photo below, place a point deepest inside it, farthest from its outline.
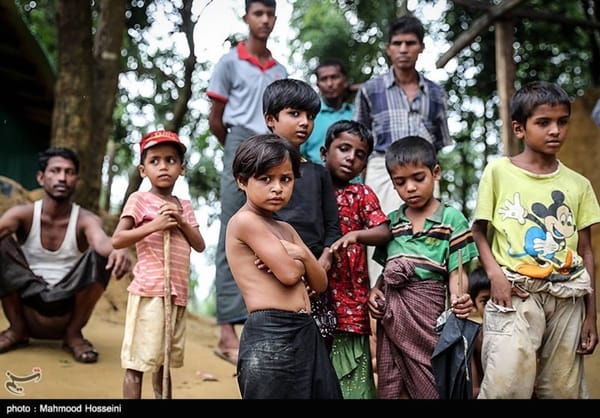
(120, 262)
(462, 306)
(172, 210)
(295, 251)
(311, 293)
(326, 259)
(343, 243)
(376, 303)
(589, 337)
(164, 221)
(502, 290)
(261, 266)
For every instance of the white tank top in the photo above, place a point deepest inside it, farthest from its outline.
(51, 265)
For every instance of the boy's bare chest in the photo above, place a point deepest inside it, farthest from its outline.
(280, 232)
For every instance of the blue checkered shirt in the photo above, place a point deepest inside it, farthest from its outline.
(383, 107)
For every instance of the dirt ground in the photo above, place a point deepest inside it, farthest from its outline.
(204, 376)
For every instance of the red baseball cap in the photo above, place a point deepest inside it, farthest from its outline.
(160, 137)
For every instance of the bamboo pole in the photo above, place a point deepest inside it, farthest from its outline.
(460, 273)
(166, 392)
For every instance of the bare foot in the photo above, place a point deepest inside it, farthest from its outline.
(11, 339)
(228, 345)
(229, 354)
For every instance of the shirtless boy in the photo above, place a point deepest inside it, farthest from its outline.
(279, 334)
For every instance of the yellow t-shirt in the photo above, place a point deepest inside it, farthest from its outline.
(535, 218)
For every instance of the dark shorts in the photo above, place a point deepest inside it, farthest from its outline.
(283, 356)
(16, 276)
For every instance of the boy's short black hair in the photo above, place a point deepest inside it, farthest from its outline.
(411, 150)
(478, 281)
(268, 3)
(66, 153)
(352, 127)
(257, 154)
(535, 94)
(288, 92)
(406, 24)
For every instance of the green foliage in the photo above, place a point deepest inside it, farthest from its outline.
(332, 29)
(543, 49)
(40, 18)
(151, 78)
(203, 176)
(206, 306)
(153, 62)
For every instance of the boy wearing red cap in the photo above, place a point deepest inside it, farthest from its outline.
(146, 218)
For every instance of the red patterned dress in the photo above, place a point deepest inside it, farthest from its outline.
(359, 209)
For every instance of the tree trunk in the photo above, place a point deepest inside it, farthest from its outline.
(110, 176)
(107, 66)
(72, 117)
(185, 92)
(86, 87)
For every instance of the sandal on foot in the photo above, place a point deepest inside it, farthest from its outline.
(83, 351)
(9, 341)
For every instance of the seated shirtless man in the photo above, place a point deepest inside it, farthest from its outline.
(55, 262)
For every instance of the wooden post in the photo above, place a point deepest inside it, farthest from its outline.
(460, 273)
(166, 392)
(505, 81)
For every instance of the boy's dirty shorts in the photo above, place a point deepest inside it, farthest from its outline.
(144, 338)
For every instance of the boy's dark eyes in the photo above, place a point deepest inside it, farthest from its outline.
(170, 160)
(546, 122)
(296, 113)
(268, 179)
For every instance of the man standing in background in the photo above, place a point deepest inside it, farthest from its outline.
(397, 104)
(236, 90)
(332, 82)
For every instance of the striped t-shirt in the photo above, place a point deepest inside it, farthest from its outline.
(148, 273)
